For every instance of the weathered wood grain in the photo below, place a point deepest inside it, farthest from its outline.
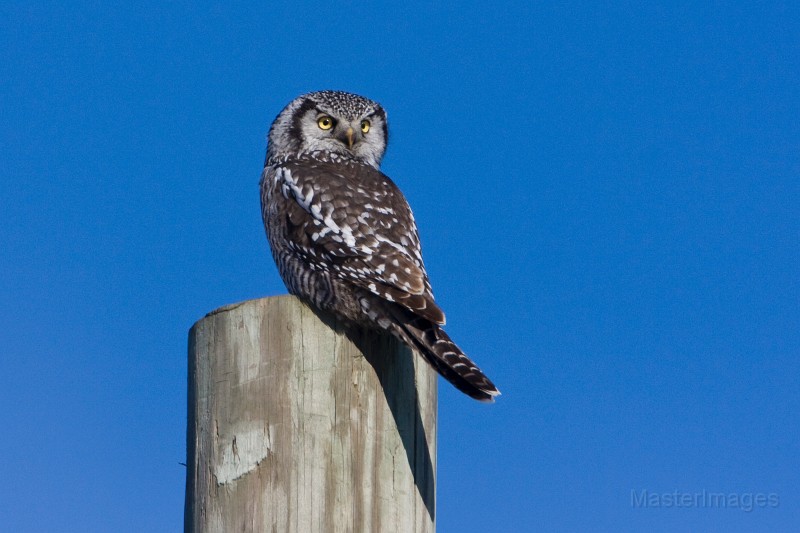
(298, 425)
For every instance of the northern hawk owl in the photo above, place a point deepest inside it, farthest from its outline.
(342, 233)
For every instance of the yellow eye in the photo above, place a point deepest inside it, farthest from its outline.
(364, 126)
(325, 122)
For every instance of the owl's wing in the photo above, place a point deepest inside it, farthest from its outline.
(353, 221)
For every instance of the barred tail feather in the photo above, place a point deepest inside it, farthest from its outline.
(445, 357)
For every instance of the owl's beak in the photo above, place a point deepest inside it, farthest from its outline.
(349, 138)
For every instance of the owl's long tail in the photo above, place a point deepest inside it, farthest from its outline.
(431, 341)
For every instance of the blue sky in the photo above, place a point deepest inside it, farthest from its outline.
(608, 201)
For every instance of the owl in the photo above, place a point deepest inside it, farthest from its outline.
(343, 235)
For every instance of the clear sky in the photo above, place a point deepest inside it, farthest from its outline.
(608, 201)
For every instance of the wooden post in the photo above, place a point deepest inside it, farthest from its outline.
(296, 424)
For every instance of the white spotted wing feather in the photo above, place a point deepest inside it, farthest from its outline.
(353, 221)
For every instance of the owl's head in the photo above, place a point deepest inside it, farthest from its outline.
(330, 122)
